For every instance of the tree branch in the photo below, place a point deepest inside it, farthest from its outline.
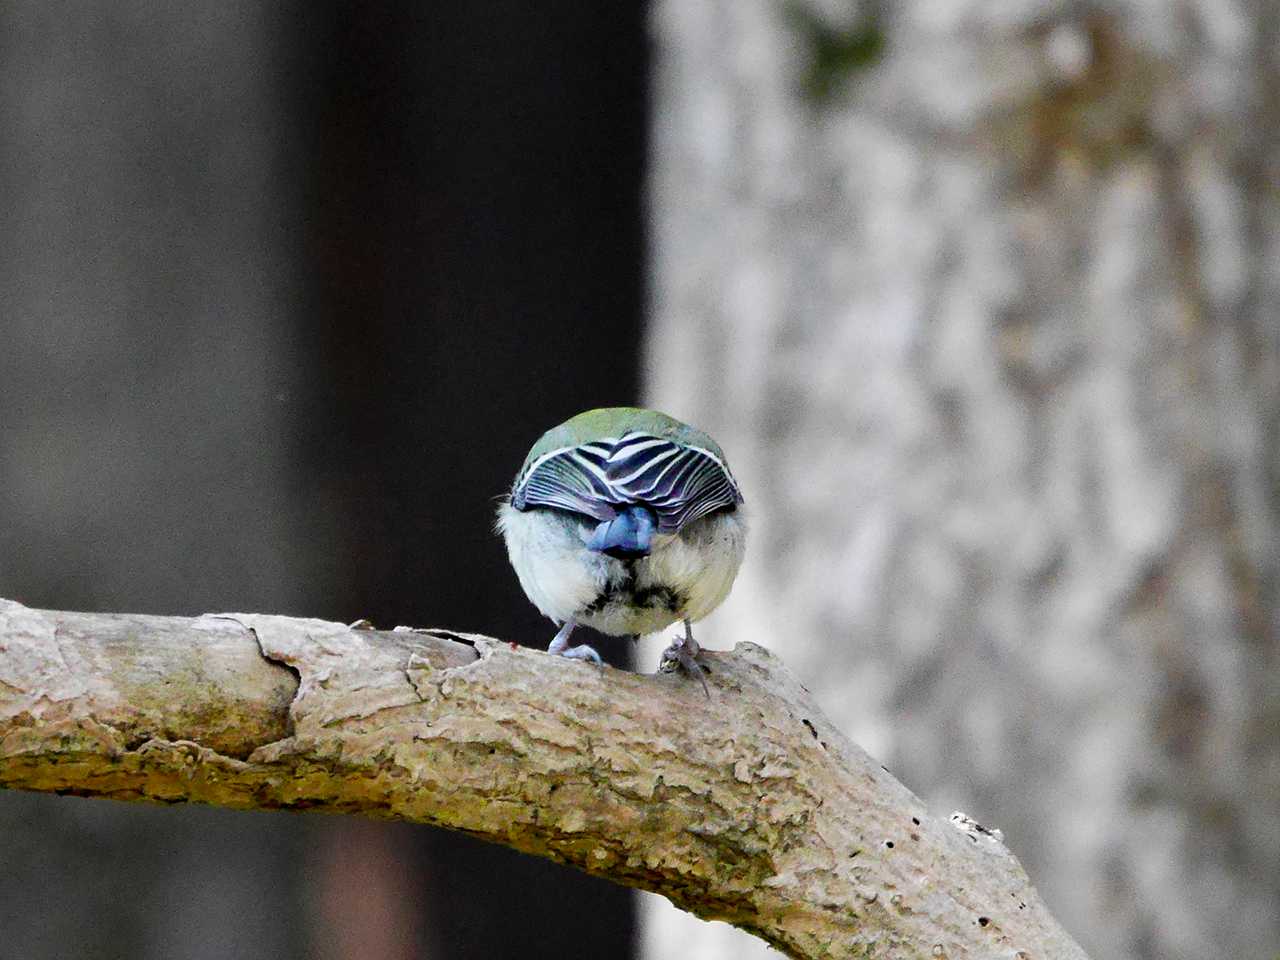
(748, 807)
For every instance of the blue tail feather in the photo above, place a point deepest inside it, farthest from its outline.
(627, 536)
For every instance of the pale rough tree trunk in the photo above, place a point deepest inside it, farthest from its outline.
(987, 326)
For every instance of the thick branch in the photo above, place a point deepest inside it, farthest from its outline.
(748, 807)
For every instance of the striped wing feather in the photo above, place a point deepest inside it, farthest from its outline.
(679, 483)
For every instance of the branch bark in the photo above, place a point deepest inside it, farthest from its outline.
(748, 808)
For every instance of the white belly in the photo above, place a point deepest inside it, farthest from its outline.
(685, 576)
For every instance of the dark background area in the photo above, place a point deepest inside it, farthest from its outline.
(288, 293)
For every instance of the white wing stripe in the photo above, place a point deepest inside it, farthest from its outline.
(644, 468)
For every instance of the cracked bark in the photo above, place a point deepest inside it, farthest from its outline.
(749, 808)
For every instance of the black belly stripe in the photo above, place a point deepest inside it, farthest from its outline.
(622, 592)
(657, 596)
(646, 598)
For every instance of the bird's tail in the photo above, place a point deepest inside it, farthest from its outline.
(627, 536)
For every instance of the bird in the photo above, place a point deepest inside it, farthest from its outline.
(625, 520)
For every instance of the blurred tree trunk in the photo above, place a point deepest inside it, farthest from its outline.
(981, 301)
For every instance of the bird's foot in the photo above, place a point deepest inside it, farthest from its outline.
(683, 654)
(560, 647)
(583, 652)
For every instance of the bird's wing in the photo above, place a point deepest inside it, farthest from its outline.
(678, 482)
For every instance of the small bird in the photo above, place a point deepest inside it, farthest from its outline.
(625, 520)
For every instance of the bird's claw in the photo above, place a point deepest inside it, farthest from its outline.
(583, 652)
(683, 654)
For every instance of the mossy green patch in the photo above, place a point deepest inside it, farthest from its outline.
(836, 53)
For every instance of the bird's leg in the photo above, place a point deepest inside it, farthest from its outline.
(560, 646)
(690, 644)
(560, 643)
(683, 652)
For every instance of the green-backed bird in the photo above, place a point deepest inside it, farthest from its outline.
(625, 520)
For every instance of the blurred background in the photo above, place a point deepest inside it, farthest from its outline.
(982, 301)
